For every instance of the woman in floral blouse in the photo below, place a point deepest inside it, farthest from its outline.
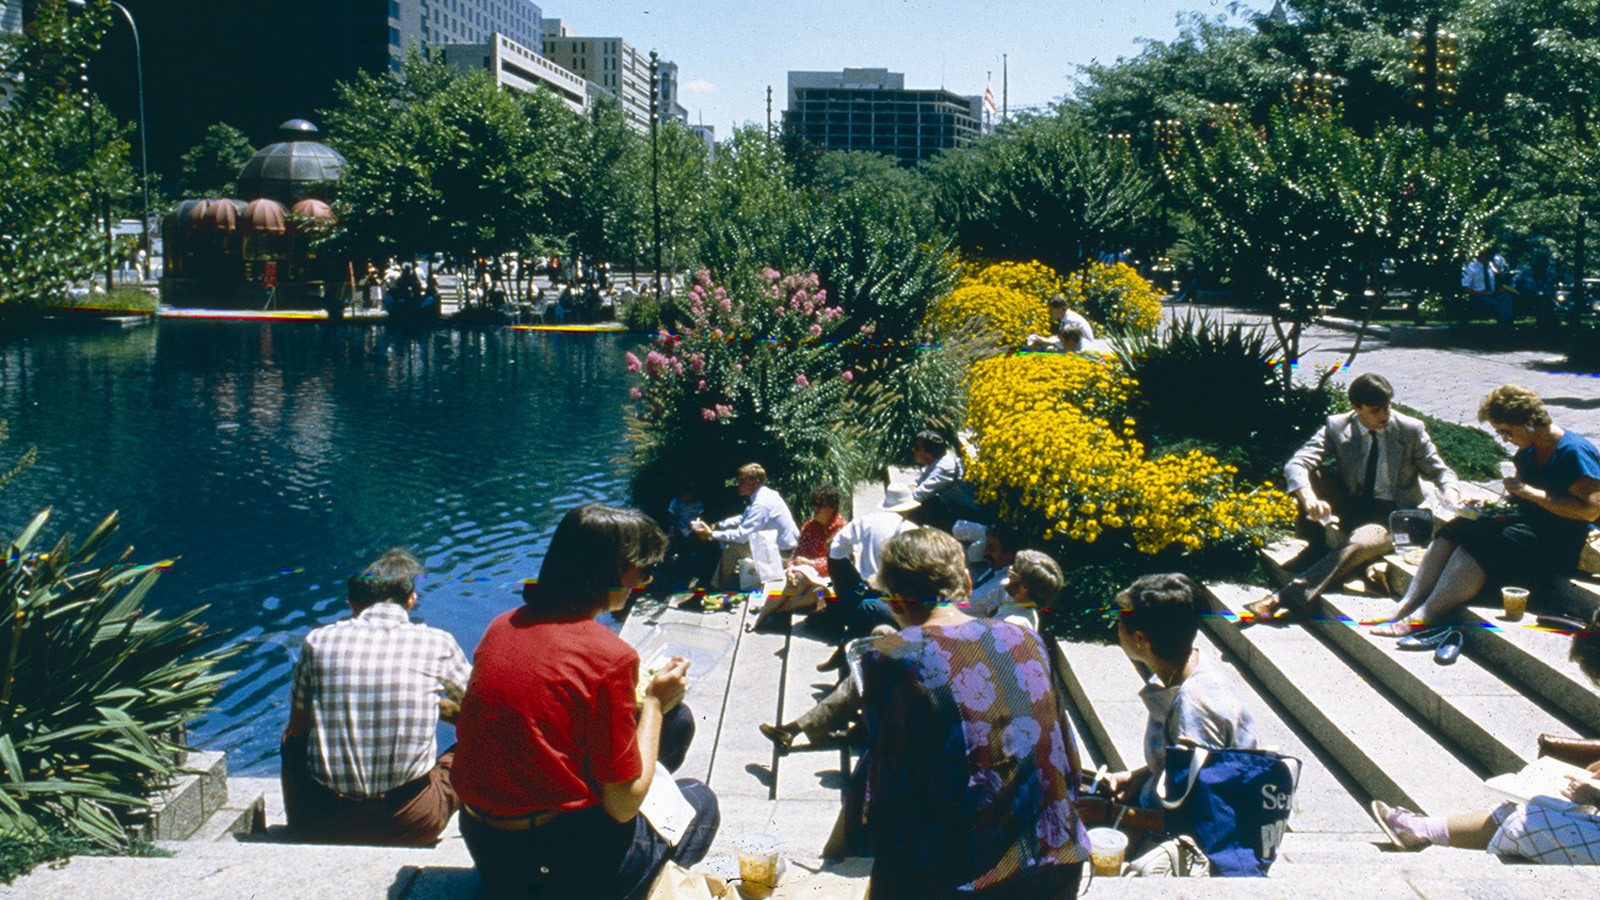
(968, 783)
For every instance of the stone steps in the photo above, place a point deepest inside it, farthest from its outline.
(1376, 741)
(1104, 686)
(1468, 703)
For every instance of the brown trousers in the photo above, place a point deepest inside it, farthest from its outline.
(411, 815)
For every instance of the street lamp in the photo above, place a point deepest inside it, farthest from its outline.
(144, 159)
(655, 160)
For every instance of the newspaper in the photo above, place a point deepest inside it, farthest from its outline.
(665, 807)
(1541, 783)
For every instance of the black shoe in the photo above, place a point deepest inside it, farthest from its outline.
(834, 663)
(1449, 648)
(1424, 639)
(781, 737)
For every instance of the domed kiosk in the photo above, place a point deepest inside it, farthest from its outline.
(297, 167)
(233, 253)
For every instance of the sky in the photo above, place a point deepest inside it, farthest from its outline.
(729, 51)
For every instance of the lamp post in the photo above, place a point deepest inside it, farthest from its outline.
(144, 159)
(655, 160)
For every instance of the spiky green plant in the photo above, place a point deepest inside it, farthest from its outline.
(94, 691)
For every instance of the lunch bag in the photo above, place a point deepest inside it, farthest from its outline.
(1235, 803)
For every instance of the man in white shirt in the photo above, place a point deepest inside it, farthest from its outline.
(1483, 286)
(853, 563)
(765, 511)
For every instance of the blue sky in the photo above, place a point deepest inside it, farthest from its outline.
(729, 51)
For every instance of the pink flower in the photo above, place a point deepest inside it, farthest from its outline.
(816, 330)
(848, 375)
(802, 380)
(697, 362)
(725, 304)
(709, 415)
(769, 273)
(634, 364)
(720, 292)
(716, 333)
(724, 411)
(868, 328)
(635, 393)
(702, 386)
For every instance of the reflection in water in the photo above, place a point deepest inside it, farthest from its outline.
(275, 460)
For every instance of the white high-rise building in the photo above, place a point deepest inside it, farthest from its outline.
(609, 64)
(516, 67)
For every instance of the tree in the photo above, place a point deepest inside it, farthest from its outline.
(753, 216)
(1299, 205)
(52, 178)
(1044, 189)
(439, 161)
(211, 167)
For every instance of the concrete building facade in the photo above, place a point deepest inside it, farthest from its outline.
(872, 110)
(515, 66)
(610, 64)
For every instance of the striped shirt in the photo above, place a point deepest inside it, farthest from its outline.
(372, 684)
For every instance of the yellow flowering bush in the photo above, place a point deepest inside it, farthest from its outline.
(1055, 453)
(1115, 295)
(1032, 278)
(999, 313)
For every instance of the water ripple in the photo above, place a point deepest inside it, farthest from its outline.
(275, 460)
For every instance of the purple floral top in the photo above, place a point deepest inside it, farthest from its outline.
(971, 772)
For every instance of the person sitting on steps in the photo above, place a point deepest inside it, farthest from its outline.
(1380, 457)
(1535, 832)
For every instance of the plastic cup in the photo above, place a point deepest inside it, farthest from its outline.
(1107, 846)
(758, 866)
(1515, 601)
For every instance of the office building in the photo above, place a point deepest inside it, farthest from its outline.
(515, 66)
(667, 83)
(254, 65)
(610, 64)
(873, 110)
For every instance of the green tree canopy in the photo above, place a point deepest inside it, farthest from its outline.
(211, 167)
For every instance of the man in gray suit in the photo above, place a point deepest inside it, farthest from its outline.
(1378, 458)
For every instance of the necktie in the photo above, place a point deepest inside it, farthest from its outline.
(1369, 486)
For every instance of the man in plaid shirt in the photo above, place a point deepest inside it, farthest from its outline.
(359, 752)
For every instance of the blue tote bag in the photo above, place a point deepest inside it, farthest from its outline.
(1235, 803)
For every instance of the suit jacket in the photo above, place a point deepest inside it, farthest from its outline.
(1406, 447)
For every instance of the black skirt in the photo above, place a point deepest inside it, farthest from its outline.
(1513, 552)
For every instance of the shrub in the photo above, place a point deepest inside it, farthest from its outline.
(94, 692)
(751, 375)
(1033, 278)
(1205, 380)
(998, 314)
(1053, 461)
(1115, 296)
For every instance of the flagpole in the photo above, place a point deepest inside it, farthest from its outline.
(1005, 85)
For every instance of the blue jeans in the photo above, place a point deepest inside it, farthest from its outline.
(588, 854)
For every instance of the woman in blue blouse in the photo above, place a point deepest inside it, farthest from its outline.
(970, 773)
(1557, 492)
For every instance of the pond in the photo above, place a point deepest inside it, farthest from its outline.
(275, 460)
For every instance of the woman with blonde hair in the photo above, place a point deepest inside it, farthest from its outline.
(1556, 489)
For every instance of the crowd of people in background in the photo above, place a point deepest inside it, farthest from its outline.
(969, 779)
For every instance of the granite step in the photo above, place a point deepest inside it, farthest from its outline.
(183, 808)
(1104, 685)
(1367, 732)
(1467, 702)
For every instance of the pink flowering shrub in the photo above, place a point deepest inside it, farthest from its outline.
(751, 374)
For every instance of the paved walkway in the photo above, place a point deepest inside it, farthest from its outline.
(1445, 383)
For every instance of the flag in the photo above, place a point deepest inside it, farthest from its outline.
(988, 99)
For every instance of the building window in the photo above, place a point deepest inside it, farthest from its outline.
(394, 9)
(394, 37)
